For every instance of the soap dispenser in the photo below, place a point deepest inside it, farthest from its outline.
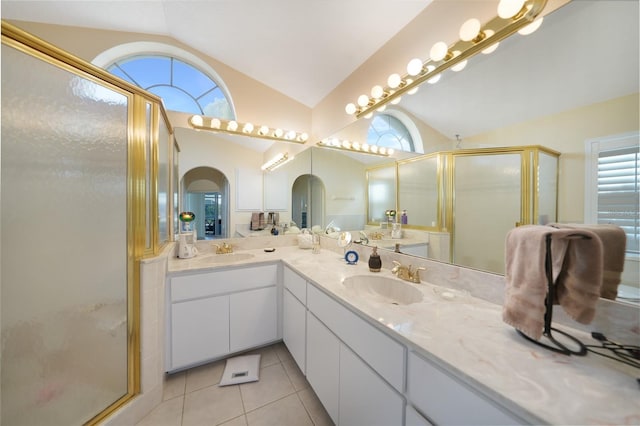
(375, 263)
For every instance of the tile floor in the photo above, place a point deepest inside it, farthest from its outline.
(282, 396)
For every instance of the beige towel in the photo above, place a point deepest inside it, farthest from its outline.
(614, 242)
(257, 221)
(576, 270)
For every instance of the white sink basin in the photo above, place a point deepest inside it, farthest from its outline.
(224, 258)
(384, 289)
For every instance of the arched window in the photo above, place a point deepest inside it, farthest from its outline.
(388, 131)
(184, 82)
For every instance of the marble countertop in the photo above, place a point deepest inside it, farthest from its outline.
(466, 336)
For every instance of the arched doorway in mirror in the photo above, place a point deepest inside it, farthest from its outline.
(307, 201)
(206, 193)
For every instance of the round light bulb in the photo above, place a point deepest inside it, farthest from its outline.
(414, 67)
(382, 108)
(346, 144)
(377, 92)
(196, 120)
(394, 80)
(303, 137)
(390, 151)
(491, 48)
(291, 134)
(509, 8)
(278, 133)
(396, 100)
(459, 66)
(350, 108)
(413, 91)
(434, 79)
(470, 29)
(356, 146)
(531, 28)
(438, 51)
(365, 147)
(369, 115)
(215, 123)
(383, 150)
(363, 100)
(232, 126)
(374, 149)
(248, 128)
(263, 130)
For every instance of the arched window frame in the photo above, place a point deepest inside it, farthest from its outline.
(411, 127)
(144, 48)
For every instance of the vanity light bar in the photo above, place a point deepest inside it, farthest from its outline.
(513, 16)
(277, 161)
(345, 145)
(233, 127)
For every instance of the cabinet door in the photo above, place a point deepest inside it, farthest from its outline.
(254, 318)
(366, 399)
(323, 364)
(294, 328)
(199, 330)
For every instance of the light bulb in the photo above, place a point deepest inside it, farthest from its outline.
(350, 108)
(377, 92)
(232, 126)
(196, 120)
(363, 100)
(509, 8)
(369, 115)
(277, 133)
(531, 28)
(303, 137)
(394, 80)
(413, 91)
(382, 108)
(263, 130)
(346, 144)
(291, 134)
(470, 29)
(493, 47)
(374, 149)
(438, 51)
(248, 128)
(390, 151)
(215, 123)
(356, 146)
(383, 150)
(396, 100)
(365, 147)
(414, 67)
(459, 66)
(434, 79)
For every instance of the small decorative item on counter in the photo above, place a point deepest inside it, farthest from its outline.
(396, 230)
(351, 257)
(375, 263)
(305, 240)
(404, 219)
(316, 243)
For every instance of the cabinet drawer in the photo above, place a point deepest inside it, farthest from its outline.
(440, 397)
(382, 353)
(211, 283)
(296, 285)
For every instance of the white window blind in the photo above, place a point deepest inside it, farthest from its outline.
(618, 201)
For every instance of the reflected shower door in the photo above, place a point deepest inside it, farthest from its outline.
(482, 183)
(64, 278)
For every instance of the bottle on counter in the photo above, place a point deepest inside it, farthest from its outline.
(375, 263)
(404, 218)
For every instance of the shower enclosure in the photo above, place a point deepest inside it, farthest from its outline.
(82, 173)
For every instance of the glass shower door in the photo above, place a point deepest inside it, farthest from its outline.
(482, 183)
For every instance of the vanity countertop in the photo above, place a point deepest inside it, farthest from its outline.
(466, 336)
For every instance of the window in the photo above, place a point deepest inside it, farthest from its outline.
(613, 186)
(388, 131)
(182, 86)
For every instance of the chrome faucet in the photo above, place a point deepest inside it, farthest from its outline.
(406, 273)
(225, 249)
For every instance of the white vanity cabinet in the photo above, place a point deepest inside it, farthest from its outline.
(294, 316)
(347, 365)
(445, 400)
(213, 314)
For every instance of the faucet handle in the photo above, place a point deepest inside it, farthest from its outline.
(416, 275)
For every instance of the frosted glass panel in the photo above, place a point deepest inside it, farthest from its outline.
(482, 183)
(64, 244)
(418, 191)
(163, 182)
(548, 187)
(382, 192)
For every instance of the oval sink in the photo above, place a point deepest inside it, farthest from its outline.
(224, 258)
(384, 289)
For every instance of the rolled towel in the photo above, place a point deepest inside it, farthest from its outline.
(526, 280)
(614, 242)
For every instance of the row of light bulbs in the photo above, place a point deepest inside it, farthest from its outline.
(356, 147)
(277, 161)
(516, 13)
(200, 122)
